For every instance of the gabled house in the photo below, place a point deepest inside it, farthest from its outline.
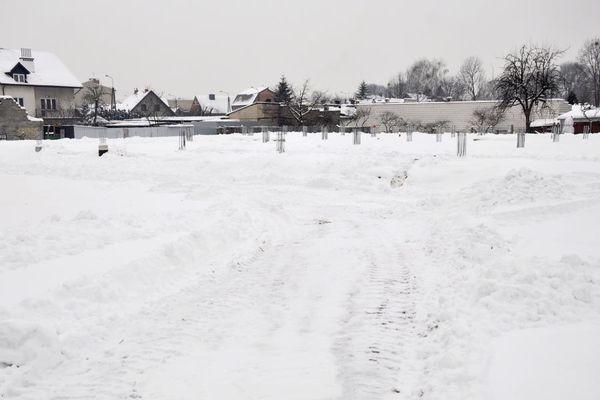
(210, 104)
(251, 96)
(146, 104)
(42, 84)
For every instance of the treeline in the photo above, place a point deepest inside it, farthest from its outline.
(578, 81)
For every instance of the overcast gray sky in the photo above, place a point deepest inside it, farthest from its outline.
(183, 47)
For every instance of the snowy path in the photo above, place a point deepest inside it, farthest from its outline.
(231, 272)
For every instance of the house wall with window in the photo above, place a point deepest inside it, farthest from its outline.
(59, 101)
(26, 94)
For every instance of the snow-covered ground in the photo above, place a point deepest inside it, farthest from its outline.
(228, 271)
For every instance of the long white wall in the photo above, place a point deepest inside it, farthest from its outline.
(458, 113)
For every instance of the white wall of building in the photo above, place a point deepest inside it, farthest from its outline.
(26, 92)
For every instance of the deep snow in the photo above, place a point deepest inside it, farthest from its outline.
(227, 271)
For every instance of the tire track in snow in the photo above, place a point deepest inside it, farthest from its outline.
(376, 340)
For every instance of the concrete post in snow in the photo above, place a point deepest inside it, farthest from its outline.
(324, 133)
(305, 131)
(182, 139)
(38, 145)
(265, 134)
(461, 144)
(356, 136)
(102, 146)
(520, 140)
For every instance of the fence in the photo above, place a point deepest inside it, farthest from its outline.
(124, 132)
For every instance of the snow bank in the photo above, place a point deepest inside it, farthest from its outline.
(385, 270)
(550, 363)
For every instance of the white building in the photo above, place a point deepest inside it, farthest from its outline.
(40, 83)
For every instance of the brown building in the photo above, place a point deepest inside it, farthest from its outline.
(251, 96)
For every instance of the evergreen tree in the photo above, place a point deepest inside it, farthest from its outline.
(572, 98)
(362, 91)
(283, 94)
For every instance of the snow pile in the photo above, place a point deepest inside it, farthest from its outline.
(389, 270)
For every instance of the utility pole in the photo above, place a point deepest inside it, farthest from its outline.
(113, 100)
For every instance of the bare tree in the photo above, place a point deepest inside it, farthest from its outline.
(530, 77)
(303, 102)
(396, 87)
(589, 58)
(574, 83)
(486, 119)
(450, 88)
(93, 97)
(390, 121)
(424, 77)
(360, 117)
(472, 77)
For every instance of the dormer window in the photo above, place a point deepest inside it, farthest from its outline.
(20, 78)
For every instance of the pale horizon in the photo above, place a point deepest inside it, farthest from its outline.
(203, 47)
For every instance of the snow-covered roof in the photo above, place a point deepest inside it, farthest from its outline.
(543, 122)
(247, 97)
(219, 104)
(577, 113)
(45, 70)
(130, 102)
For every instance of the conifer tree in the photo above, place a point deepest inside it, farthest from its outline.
(283, 93)
(362, 91)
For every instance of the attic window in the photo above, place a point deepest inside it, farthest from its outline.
(20, 78)
(211, 96)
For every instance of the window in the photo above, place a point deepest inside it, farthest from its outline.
(144, 108)
(19, 77)
(211, 96)
(48, 104)
(20, 101)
